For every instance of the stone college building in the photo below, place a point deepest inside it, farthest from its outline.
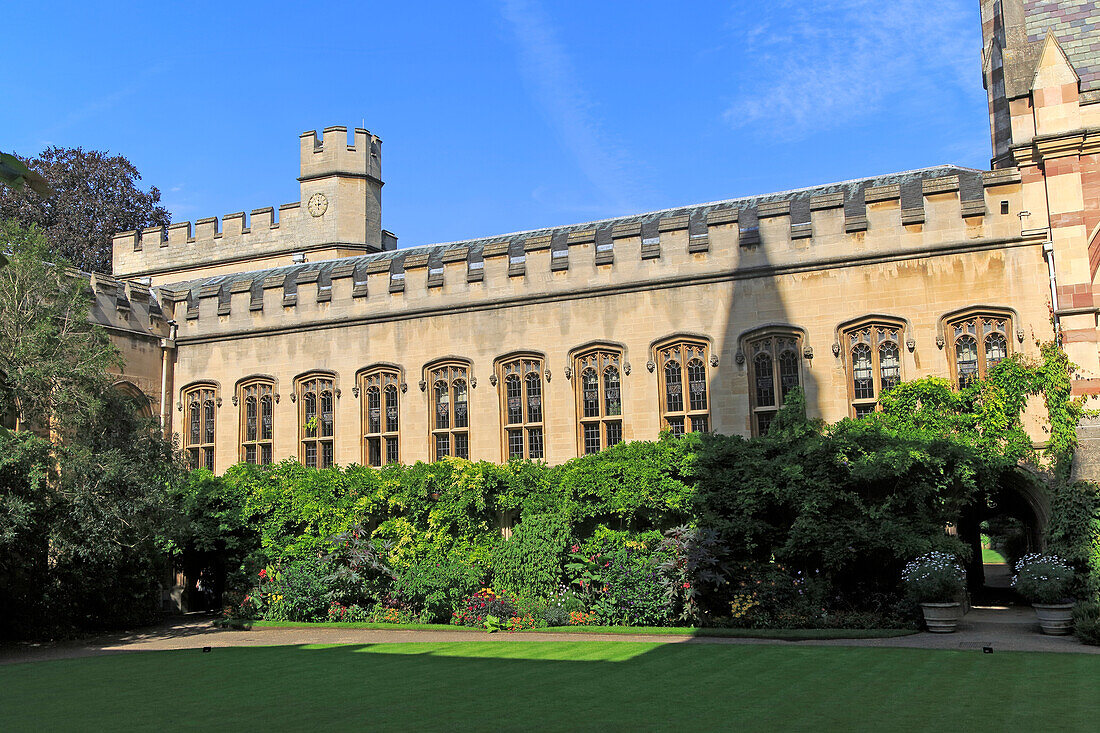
(306, 333)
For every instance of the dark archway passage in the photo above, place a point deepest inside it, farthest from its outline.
(1012, 517)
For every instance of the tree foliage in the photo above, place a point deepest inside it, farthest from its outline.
(85, 505)
(53, 360)
(94, 196)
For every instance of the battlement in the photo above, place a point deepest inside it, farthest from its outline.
(330, 154)
(338, 214)
(885, 220)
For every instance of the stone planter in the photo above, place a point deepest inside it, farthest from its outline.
(941, 618)
(1055, 619)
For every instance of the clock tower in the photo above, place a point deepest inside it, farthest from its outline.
(341, 189)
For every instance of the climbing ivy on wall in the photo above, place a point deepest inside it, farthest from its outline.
(989, 416)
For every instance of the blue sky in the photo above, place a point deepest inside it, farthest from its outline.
(501, 115)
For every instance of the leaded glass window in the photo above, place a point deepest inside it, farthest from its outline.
(978, 343)
(683, 364)
(599, 399)
(450, 434)
(316, 416)
(521, 394)
(200, 403)
(874, 364)
(378, 389)
(256, 397)
(775, 368)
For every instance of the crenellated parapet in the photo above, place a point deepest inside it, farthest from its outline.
(338, 214)
(888, 218)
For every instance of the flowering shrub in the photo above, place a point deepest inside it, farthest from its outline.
(624, 586)
(580, 618)
(555, 610)
(477, 609)
(1043, 578)
(935, 577)
(692, 570)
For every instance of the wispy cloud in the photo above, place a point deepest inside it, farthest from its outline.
(818, 65)
(108, 101)
(555, 85)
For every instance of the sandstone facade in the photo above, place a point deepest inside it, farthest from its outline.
(312, 336)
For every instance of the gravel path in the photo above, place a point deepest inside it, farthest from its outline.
(1003, 629)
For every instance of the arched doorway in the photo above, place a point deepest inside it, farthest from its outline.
(1008, 522)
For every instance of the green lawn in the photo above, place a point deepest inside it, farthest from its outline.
(604, 685)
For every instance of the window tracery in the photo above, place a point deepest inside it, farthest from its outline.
(316, 419)
(684, 400)
(775, 368)
(199, 420)
(522, 410)
(257, 405)
(450, 417)
(599, 399)
(379, 391)
(874, 363)
(978, 342)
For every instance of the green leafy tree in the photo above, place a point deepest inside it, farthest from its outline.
(53, 361)
(95, 195)
(85, 501)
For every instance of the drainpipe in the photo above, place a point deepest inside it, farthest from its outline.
(1048, 255)
(166, 345)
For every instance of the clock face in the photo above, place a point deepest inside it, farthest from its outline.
(317, 204)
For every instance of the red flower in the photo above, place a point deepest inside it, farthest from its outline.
(263, 573)
(687, 585)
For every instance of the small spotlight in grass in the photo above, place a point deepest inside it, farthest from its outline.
(987, 650)
(206, 649)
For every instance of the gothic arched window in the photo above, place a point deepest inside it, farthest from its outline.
(599, 399)
(522, 407)
(316, 419)
(775, 368)
(450, 418)
(199, 403)
(874, 363)
(683, 399)
(257, 405)
(978, 342)
(378, 396)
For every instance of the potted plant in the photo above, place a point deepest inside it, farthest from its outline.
(1045, 581)
(935, 581)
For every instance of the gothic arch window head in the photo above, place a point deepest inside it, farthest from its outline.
(317, 394)
(599, 398)
(519, 381)
(449, 396)
(379, 390)
(775, 368)
(872, 353)
(256, 401)
(200, 402)
(977, 340)
(683, 396)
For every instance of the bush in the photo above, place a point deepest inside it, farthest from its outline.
(624, 586)
(298, 592)
(556, 608)
(436, 589)
(1086, 622)
(530, 563)
(935, 577)
(477, 609)
(1043, 578)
